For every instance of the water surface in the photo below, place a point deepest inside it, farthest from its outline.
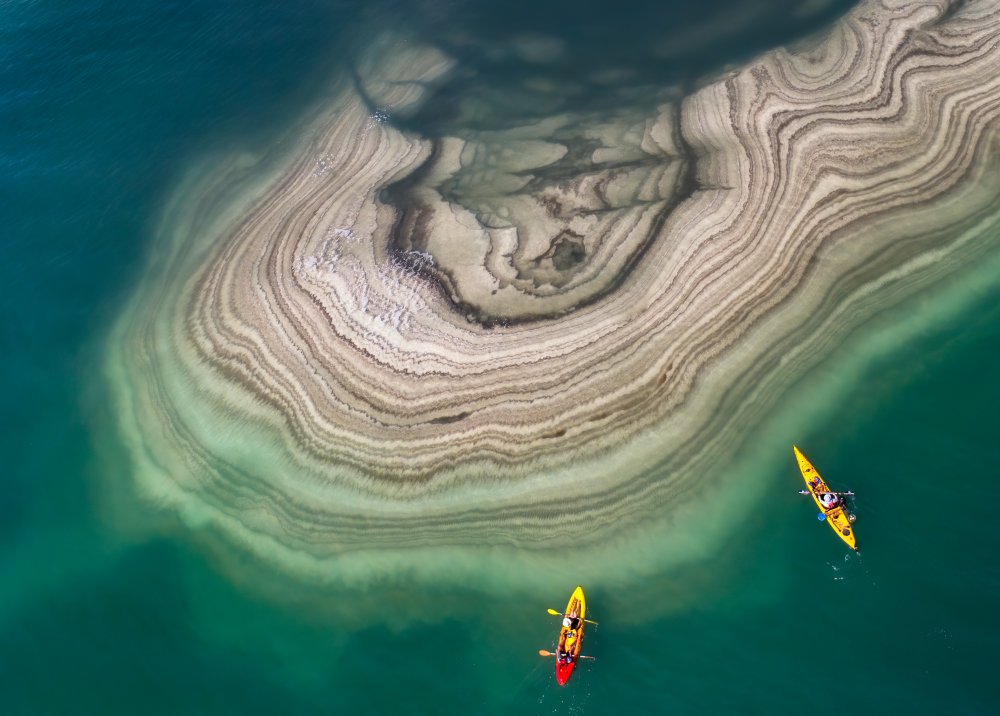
(105, 104)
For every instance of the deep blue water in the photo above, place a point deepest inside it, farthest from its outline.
(103, 105)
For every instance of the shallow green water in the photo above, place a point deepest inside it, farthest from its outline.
(108, 106)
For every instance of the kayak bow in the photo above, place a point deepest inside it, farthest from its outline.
(838, 518)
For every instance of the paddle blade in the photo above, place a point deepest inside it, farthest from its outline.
(554, 613)
(542, 652)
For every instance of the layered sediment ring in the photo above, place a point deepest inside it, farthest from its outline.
(532, 335)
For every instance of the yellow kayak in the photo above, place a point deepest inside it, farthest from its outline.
(837, 517)
(571, 639)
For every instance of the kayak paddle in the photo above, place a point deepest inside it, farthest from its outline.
(542, 652)
(554, 613)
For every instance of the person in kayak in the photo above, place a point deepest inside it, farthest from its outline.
(564, 651)
(829, 500)
(571, 622)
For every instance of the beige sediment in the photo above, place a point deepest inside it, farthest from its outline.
(408, 343)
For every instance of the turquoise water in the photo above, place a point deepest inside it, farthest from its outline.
(103, 106)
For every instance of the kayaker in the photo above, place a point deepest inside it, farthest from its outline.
(565, 646)
(571, 622)
(829, 500)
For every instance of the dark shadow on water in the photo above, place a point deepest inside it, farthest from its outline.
(527, 60)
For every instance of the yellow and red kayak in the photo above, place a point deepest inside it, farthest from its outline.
(837, 517)
(571, 637)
